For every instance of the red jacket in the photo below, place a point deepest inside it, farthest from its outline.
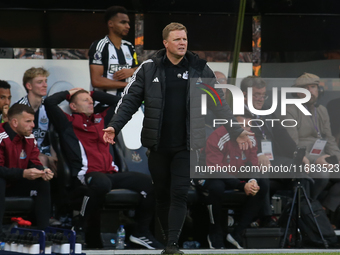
(17, 153)
(81, 136)
(222, 151)
(89, 131)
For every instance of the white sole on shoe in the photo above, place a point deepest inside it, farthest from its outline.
(209, 242)
(141, 242)
(231, 240)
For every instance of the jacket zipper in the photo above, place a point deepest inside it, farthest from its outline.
(163, 87)
(98, 145)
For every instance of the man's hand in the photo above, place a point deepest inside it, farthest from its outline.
(263, 160)
(255, 187)
(33, 173)
(52, 163)
(4, 113)
(305, 160)
(48, 174)
(322, 160)
(247, 189)
(123, 74)
(244, 141)
(109, 135)
(251, 188)
(74, 90)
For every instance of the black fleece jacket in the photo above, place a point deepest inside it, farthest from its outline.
(148, 85)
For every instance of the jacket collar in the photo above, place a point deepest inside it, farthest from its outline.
(193, 59)
(84, 116)
(183, 63)
(25, 100)
(10, 131)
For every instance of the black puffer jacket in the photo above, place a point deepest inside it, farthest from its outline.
(148, 85)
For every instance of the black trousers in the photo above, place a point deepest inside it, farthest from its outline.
(99, 184)
(250, 209)
(27, 188)
(170, 173)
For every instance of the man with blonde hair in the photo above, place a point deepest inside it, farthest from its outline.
(35, 83)
(164, 83)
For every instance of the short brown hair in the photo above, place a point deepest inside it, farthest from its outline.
(33, 72)
(172, 27)
(252, 81)
(17, 109)
(73, 97)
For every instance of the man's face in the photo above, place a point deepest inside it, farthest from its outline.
(259, 96)
(83, 103)
(246, 126)
(221, 79)
(177, 43)
(24, 124)
(38, 86)
(119, 24)
(5, 97)
(313, 89)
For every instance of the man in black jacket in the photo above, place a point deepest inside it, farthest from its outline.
(164, 83)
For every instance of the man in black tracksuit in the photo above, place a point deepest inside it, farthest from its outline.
(164, 83)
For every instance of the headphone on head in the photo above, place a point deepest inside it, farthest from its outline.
(308, 79)
(321, 91)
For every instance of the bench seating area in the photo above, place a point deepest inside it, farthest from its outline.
(116, 200)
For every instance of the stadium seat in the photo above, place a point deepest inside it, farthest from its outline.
(17, 91)
(17, 207)
(136, 159)
(116, 200)
(61, 86)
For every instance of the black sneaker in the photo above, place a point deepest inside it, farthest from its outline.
(235, 240)
(215, 241)
(172, 249)
(147, 240)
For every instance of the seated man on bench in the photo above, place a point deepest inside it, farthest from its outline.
(222, 151)
(91, 162)
(21, 172)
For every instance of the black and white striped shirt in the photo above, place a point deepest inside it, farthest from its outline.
(103, 52)
(41, 125)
